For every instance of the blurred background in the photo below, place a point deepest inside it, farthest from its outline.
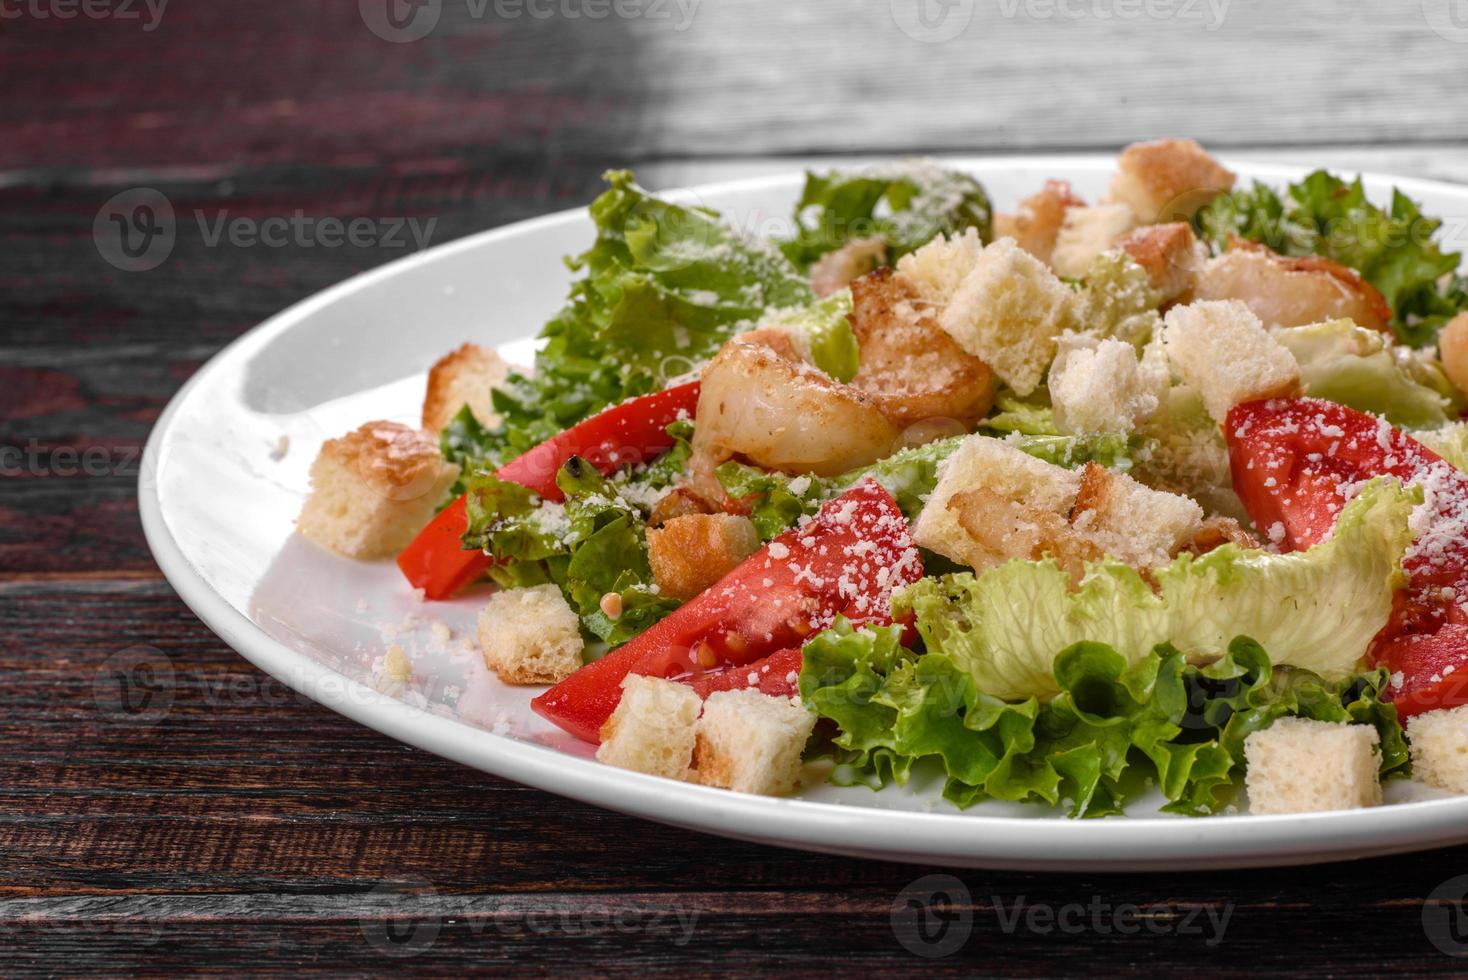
(442, 118)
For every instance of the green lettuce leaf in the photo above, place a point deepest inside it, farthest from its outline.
(1113, 729)
(592, 544)
(1449, 441)
(823, 333)
(1356, 366)
(907, 204)
(1393, 248)
(1117, 299)
(664, 286)
(1315, 609)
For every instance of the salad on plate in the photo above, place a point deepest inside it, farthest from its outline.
(1163, 493)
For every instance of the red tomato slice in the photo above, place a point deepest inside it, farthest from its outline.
(635, 431)
(777, 675)
(1294, 461)
(850, 557)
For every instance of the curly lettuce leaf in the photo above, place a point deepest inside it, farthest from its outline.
(907, 204)
(665, 285)
(593, 544)
(1315, 609)
(1118, 300)
(1393, 248)
(1449, 441)
(1113, 729)
(1356, 366)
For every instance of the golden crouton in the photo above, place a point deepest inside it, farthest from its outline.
(692, 552)
(909, 364)
(1168, 180)
(530, 636)
(463, 377)
(652, 729)
(373, 489)
(751, 742)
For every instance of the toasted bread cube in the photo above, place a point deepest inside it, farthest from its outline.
(1452, 346)
(1010, 474)
(530, 636)
(692, 552)
(1171, 254)
(1222, 350)
(1168, 180)
(373, 489)
(836, 270)
(1007, 312)
(1001, 526)
(1104, 388)
(652, 730)
(937, 268)
(1086, 233)
(1138, 525)
(1298, 765)
(1036, 223)
(751, 742)
(463, 377)
(1440, 748)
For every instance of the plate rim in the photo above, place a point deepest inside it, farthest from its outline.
(1117, 844)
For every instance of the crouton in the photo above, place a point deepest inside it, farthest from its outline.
(1452, 347)
(677, 502)
(938, 267)
(990, 464)
(1086, 233)
(1036, 222)
(692, 552)
(530, 636)
(374, 489)
(1104, 388)
(395, 672)
(463, 377)
(834, 271)
(1301, 766)
(1440, 748)
(751, 742)
(1222, 350)
(909, 364)
(1171, 254)
(1007, 312)
(652, 730)
(1140, 526)
(1168, 180)
(1291, 292)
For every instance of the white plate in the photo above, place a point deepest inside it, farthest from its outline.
(218, 500)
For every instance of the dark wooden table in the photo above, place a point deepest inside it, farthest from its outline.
(247, 830)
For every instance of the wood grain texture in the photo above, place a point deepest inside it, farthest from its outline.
(166, 807)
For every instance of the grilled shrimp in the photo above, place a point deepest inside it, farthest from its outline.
(1036, 223)
(1291, 292)
(910, 366)
(775, 410)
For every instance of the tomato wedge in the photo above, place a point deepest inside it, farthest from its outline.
(1294, 462)
(778, 675)
(635, 431)
(847, 559)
